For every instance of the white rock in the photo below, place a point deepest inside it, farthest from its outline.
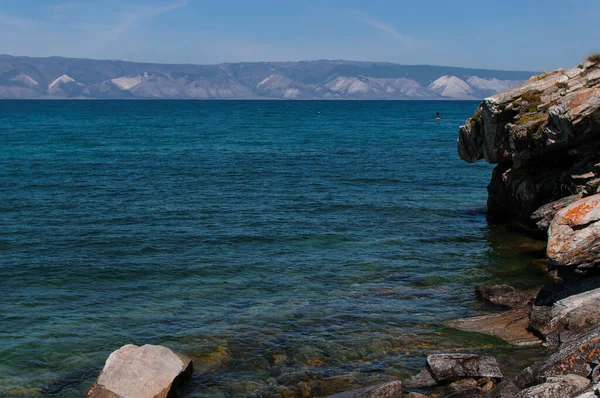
(149, 371)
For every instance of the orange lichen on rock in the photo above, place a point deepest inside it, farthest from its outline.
(575, 214)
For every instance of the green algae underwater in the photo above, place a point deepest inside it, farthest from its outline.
(287, 247)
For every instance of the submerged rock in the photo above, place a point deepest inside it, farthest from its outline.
(510, 326)
(148, 371)
(386, 390)
(574, 236)
(503, 295)
(423, 379)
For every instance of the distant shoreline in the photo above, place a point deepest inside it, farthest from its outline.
(57, 78)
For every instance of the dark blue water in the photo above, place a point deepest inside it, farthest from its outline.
(285, 246)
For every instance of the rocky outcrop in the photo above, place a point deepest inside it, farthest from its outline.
(544, 135)
(148, 371)
(574, 236)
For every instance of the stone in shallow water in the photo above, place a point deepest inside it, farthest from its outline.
(450, 367)
(148, 371)
(387, 390)
(463, 385)
(503, 295)
(421, 380)
(510, 326)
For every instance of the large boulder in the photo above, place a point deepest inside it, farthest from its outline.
(544, 136)
(574, 236)
(149, 371)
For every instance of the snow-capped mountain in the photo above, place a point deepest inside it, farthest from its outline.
(55, 77)
(452, 87)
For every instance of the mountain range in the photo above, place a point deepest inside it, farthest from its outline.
(60, 78)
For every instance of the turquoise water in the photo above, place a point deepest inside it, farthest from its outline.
(287, 247)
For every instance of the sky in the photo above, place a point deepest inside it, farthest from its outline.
(494, 34)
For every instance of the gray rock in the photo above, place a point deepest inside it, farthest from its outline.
(595, 375)
(423, 379)
(566, 316)
(579, 383)
(469, 393)
(463, 385)
(415, 395)
(592, 391)
(503, 295)
(148, 371)
(574, 236)
(573, 357)
(506, 389)
(386, 390)
(451, 367)
(588, 394)
(543, 216)
(556, 387)
(546, 390)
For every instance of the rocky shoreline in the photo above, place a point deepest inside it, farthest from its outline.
(544, 137)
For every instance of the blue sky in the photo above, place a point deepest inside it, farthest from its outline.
(508, 34)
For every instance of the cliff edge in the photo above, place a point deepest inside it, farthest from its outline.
(544, 137)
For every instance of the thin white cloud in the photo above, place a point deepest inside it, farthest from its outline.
(405, 40)
(131, 18)
(127, 20)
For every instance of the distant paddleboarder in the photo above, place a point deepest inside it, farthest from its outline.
(437, 115)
